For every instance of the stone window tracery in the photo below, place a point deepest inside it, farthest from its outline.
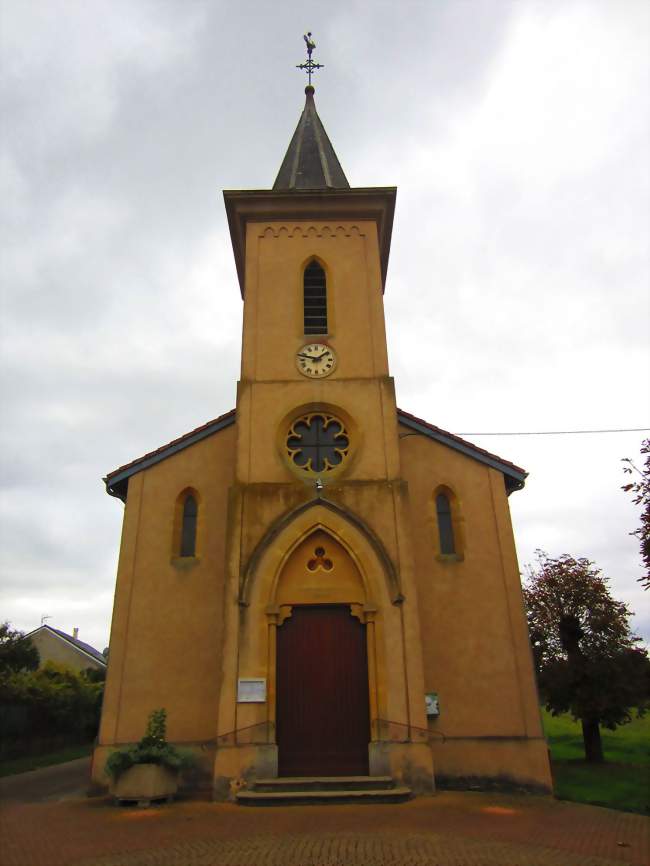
(320, 560)
(317, 443)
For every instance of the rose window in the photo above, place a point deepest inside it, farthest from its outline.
(317, 443)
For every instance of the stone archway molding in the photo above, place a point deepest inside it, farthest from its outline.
(284, 522)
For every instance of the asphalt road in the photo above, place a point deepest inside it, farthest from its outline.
(49, 784)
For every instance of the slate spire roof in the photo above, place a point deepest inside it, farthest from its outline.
(310, 161)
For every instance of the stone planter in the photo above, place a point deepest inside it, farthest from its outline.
(144, 783)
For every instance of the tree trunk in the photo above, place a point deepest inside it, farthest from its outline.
(591, 738)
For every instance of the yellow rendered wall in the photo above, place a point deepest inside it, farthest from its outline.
(167, 631)
(271, 394)
(476, 651)
(272, 391)
(276, 255)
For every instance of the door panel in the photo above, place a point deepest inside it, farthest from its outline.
(323, 723)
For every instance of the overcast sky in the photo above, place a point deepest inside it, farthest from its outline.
(517, 294)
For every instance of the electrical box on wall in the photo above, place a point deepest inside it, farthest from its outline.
(432, 705)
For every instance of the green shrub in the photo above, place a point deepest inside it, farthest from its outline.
(47, 708)
(153, 748)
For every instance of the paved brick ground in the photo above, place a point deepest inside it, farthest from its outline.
(58, 782)
(450, 829)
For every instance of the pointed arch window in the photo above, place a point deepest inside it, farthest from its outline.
(188, 526)
(315, 299)
(445, 524)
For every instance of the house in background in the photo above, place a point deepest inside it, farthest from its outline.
(54, 645)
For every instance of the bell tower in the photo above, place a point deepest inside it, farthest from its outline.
(317, 456)
(311, 257)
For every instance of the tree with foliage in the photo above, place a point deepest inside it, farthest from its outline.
(588, 661)
(17, 652)
(95, 675)
(640, 487)
(51, 704)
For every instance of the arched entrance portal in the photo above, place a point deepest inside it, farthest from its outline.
(322, 704)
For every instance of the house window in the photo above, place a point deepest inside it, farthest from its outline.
(315, 299)
(188, 527)
(445, 524)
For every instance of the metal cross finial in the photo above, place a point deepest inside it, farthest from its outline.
(309, 66)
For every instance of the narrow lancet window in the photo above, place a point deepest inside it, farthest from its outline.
(315, 299)
(188, 530)
(445, 524)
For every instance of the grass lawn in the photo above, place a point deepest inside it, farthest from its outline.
(622, 782)
(22, 765)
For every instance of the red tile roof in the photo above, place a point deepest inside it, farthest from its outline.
(172, 444)
(461, 441)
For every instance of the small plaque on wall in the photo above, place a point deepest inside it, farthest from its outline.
(251, 691)
(431, 701)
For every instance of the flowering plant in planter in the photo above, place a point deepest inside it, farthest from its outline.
(153, 750)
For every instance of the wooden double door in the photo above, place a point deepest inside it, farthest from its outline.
(322, 713)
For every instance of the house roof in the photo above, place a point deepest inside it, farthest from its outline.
(310, 161)
(80, 645)
(117, 481)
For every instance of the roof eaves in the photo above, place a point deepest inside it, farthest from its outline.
(350, 203)
(515, 476)
(81, 645)
(117, 481)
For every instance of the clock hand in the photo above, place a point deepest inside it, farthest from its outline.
(309, 357)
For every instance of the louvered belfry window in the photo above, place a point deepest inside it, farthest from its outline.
(315, 297)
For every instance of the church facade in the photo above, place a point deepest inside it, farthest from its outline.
(318, 583)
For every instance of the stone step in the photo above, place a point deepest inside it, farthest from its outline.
(324, 783)
(311, 797)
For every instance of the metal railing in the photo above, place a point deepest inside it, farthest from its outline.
(387, 731)
(382, 730)
(262, 733)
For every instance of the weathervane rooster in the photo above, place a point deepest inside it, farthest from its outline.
(309, 66)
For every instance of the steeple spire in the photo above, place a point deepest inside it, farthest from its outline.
(310, 161)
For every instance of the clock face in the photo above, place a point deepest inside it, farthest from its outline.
(315, 360)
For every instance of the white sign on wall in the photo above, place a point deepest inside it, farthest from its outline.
(251, 691)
